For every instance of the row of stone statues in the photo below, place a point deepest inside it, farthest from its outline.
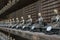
(39, 26)
(26, 25)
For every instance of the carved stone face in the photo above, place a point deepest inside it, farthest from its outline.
(39, 14)
(22, 18)
(55, 11)
(29, 16)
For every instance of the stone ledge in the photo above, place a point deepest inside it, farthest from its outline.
(31, 35)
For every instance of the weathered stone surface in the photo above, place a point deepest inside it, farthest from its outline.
(32, 35)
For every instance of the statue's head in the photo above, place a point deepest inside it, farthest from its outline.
(55, 11)
(39, 14)
(29, 16)
(22, 18)
(17, 18)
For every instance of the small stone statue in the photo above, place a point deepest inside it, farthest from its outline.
(37, 26)
(13, 23)
(22, 20)
(56, 17)
(21, 23)
(54, 26)
(17, 20)
(10, 22)
(40, 19)
(28, 22)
